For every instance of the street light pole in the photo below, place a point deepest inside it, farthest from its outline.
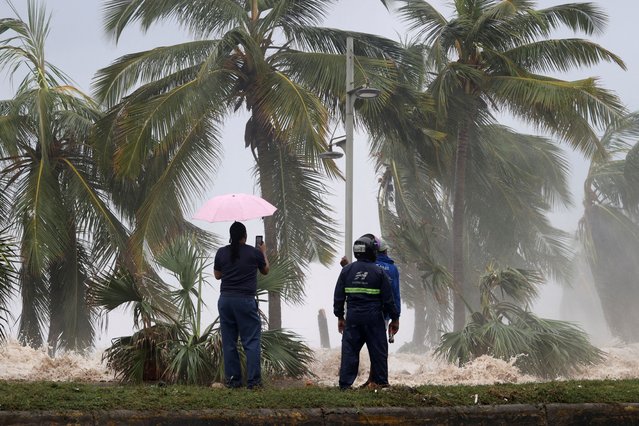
(363, 92)
(348, 149)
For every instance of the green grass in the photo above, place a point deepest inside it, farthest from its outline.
(18, 396)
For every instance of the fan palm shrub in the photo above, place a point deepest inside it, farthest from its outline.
(173, 346)
(504, 328)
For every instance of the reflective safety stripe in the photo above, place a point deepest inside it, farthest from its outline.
(362, 290)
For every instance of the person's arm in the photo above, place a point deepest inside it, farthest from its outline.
(266, 267)
(396, 292)
(217, 269)
(388, 305)
(388, 301)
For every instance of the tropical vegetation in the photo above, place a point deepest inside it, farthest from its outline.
(505, 223)
(53, 196)
(176, 348)
(95, 192)
(497, 57)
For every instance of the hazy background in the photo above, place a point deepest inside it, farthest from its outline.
(78, 46)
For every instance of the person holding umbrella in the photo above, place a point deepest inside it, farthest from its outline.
(236, 265)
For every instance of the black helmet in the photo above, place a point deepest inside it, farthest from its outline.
(365, 248)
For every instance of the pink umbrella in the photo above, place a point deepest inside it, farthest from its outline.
(231, 207)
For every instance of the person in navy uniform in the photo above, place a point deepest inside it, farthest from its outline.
(366, 291)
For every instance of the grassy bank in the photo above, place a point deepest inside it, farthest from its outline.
(18, 396)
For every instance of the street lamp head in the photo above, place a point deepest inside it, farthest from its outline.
(334, 155)
(366, 92)
(330, 154)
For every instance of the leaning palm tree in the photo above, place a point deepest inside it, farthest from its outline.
(515, 180)
(55, 198)
(609, 228)
(494, 56)
(413, 220)
(267, 58)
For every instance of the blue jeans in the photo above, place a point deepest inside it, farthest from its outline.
(239, 317)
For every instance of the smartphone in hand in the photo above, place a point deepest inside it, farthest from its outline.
(259, 240)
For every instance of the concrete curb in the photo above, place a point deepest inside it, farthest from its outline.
(548, 414)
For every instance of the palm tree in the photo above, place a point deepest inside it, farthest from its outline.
(266, 57)
(494, 56)
(54, 194)
(609, 228)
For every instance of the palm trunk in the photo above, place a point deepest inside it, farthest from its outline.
(32, 291)
(459, 309)
(263, 146)
(274, 299)
(419, 329)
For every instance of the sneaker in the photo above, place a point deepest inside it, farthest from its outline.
(373, 385)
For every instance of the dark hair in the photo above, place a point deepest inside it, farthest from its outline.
(237, 231)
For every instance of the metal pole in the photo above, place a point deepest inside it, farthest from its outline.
(348, 149)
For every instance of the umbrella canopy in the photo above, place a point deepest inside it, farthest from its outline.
(232, 207)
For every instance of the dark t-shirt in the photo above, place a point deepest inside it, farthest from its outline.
(239, 278)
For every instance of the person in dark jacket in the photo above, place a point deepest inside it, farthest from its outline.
(366, 291)
(388, 265)
(236, 265)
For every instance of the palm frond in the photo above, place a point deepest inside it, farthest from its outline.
(126, 73)
(8, 279)
(200, 16)
(72, 321)
(284, 354)
(305, 227)
(284, 278)
(146, 297)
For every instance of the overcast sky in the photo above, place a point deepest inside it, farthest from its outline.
(78, 46)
